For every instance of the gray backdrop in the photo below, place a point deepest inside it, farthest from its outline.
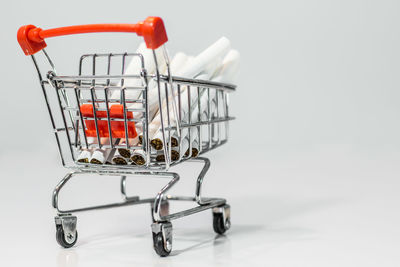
(316, 105)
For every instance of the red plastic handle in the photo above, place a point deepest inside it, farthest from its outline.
(31, 38)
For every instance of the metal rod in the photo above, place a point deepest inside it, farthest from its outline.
(48, 109)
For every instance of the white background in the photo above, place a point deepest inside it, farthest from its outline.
(311, 170)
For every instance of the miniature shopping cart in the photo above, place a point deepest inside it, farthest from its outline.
(81, 110)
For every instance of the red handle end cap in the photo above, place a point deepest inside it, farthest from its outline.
(29, 46)
(153, 31)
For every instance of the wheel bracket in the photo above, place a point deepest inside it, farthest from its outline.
(68, 223)
(226, 214)
(165, 228)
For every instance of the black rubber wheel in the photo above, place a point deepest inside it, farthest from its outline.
(158, 244)
(218, 223)
(61, 238)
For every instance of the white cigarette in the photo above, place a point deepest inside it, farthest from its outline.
(204, 64)
(195, 149)
(197, 146)
(230, 65)
(157, 143)
(161, 157)
(195, 133)
(118, 159)
(135, 67)
(155, 130)
(184, 146)
(122, 155)
(224, 73)
(201, 67)
(200, 62)
(84, 156)
(178, 62)
(99, 156)
(176, 152)
(138, 157)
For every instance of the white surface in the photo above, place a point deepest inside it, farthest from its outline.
(319, 207)
(317, 104)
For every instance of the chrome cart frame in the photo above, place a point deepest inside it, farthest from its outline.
(64, 96)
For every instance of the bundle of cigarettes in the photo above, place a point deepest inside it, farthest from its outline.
(217, 63)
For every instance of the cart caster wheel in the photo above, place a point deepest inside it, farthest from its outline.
(221, 219)
(66, 234)
(162, 238)
(65, 242)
